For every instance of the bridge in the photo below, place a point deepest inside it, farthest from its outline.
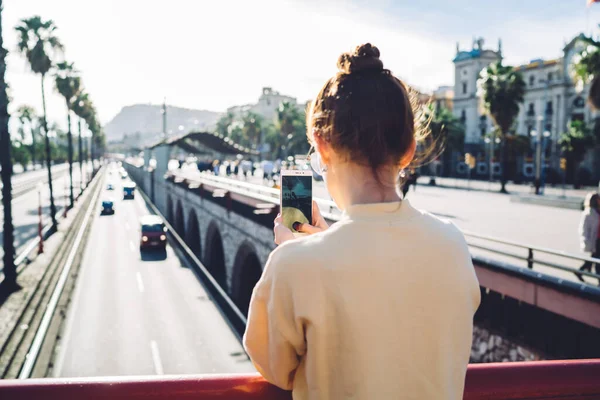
(185, 310)
(227, 224)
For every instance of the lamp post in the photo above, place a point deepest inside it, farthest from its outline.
(491, 140)
(538, 154)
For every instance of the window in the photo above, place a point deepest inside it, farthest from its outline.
(463, 116)
(550, 76)
(531, 80)
(529, 129)
(464, 85)
(549, 109)
(531, 110)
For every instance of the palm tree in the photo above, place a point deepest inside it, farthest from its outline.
(447, 133)
(27, 117)
(252, 128)
(38, 43)
(575, 143)
(79, 110)
(503, 91)
(587, 69)
(224, 123)
(69, 86)
(10, 272)
(292, 128)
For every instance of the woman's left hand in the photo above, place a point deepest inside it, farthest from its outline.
(282, 232)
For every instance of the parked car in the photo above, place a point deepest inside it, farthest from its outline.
(108, 207)
(154, 233)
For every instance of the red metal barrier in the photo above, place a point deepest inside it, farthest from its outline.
(578, 379)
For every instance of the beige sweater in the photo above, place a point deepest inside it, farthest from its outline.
(379, 306)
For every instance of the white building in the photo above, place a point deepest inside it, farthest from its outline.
(267, 105)
(551, 101)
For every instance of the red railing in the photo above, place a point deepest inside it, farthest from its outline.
(577, 379)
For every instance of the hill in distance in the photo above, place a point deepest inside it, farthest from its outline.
(146, 119)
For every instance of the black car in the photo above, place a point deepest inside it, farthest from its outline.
(108, 207)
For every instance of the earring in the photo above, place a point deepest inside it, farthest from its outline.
(402, 174)
(324, 168)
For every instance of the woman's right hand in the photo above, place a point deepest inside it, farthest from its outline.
(318, 224)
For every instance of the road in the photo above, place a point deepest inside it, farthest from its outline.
(491, 214)
(25, 206)
(136, 314)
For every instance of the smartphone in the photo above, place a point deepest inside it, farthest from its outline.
(296, 198)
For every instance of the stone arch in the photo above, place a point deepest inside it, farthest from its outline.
(179, 221)
(192, 234)
(247, 270)
(214, 256)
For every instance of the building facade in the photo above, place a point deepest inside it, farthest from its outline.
(267, 105)
(552, 100)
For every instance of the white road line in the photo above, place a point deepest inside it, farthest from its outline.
(131, 246)
(139, 282)
(156, 358)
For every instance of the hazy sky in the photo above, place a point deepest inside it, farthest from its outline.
(215, 54)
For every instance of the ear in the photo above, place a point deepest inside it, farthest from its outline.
(323, 147)
(410, 154)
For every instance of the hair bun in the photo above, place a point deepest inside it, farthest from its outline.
(364, 58)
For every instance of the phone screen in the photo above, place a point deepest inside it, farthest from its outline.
(296, 200)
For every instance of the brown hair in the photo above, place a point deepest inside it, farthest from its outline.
(365, 112)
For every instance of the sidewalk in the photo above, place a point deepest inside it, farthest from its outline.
(486, 186)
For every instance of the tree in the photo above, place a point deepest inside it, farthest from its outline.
(503, 91)
(292, 128)
(38, 43)
(252, 128)
(447, 132)
(515, 147)
(27, 118)
(10, 271)
(224, 123)
(81, 107)
(68, 85)
(587, 69)
(575, 143)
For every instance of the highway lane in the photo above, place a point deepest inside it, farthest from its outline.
(38, 174)
(135, 314)
(25, 207)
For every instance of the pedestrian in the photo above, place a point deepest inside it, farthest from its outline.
(379, 305)
(589, 234)
(405, 182)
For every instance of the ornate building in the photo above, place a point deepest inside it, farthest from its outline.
(551, 101)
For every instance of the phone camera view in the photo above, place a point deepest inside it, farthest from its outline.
(296, 200)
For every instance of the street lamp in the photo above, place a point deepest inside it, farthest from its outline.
(540, 135)
(491, 143)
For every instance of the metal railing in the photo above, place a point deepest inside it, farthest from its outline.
(530, 259)
(333, 213)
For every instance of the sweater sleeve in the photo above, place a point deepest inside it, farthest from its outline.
(273, 339)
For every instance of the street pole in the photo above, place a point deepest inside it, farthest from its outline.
(492, 158)
(538, 156)
(41, 242)
(164, 118)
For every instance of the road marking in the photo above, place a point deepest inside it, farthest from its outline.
(139, 282)
(131, 246)
(156, 358)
